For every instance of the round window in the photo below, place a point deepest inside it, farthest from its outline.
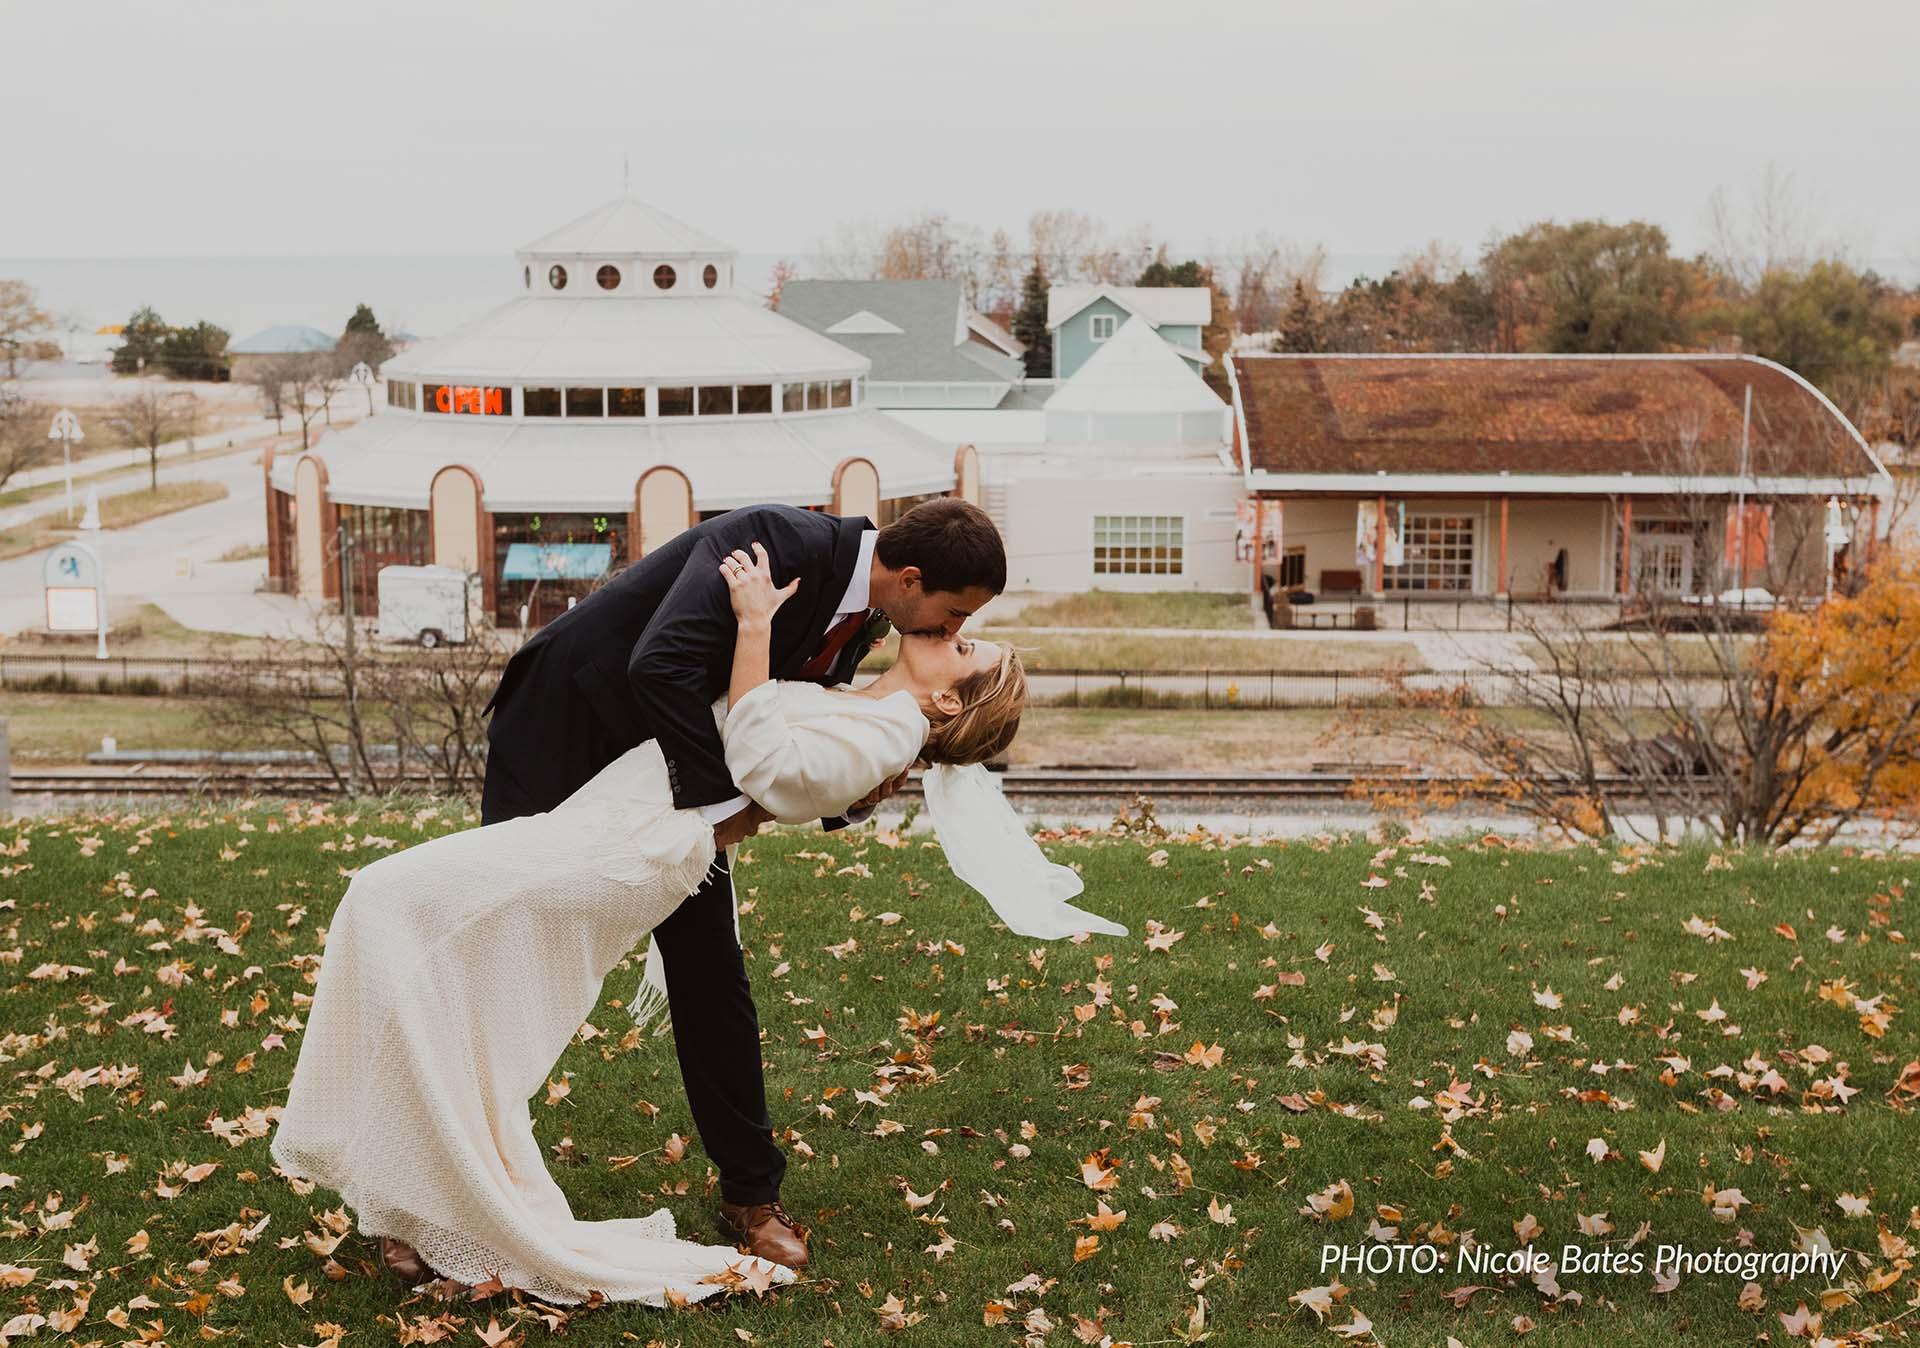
(526, 278)
(608, 277)
(711, 276)
(663, 277)
(557, 276)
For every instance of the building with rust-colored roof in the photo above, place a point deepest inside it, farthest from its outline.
(1543, 476)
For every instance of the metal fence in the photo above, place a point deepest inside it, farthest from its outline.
(1198, 689)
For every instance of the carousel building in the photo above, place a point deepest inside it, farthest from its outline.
(627, 392)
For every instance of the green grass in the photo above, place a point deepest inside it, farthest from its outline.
(1461, 956)
(1112, 608)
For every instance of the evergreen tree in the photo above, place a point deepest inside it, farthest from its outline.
(140, 342)
(363, 340)
(1030, 323)
(198, 352)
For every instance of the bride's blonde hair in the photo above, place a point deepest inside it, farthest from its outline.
(991, 701)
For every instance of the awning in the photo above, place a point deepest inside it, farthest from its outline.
(557, 561)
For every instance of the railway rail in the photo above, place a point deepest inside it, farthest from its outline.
(224, 782)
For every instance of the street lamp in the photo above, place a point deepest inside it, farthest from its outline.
(66, 429)
(363, 376)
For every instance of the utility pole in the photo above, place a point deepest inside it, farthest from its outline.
(345, 544)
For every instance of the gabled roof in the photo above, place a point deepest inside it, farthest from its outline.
(1135, 371)
(624, 228)
(283, 340)
(1156, 304)
(931, 345)
(1671, 415)
(866, 323)
(994, 335)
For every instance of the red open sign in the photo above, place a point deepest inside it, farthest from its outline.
(470, 400)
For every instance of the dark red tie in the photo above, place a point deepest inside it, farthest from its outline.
(833, 643)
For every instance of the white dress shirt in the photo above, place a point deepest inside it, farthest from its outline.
(855, 600)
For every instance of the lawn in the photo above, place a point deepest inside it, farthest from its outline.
(116, 512)
(1298, 1046)
(1113, 608)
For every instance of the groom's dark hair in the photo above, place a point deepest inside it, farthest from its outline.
(953, 543)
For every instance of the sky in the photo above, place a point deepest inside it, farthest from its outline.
(160, 128)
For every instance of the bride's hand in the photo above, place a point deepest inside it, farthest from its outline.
(750, 586)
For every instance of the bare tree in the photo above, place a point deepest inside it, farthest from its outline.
(148, 418)
(23, 432)
(373, 721)
(269, 381)
(1688, 710)
(310, 379)
(22, 321)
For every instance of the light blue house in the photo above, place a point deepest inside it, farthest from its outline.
(1081, 318)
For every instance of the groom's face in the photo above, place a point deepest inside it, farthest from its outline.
(929, 613)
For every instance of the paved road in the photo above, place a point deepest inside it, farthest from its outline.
(170, 561)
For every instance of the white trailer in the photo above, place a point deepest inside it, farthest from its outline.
(427, 605)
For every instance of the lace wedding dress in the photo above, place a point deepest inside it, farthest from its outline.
(456, 972)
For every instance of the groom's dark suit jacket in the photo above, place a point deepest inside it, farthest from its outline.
(644, 657)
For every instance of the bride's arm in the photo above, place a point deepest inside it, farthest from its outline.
(755, 600)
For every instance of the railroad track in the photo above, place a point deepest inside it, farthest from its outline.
(1035, 783)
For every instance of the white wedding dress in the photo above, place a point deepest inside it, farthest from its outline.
(456, 972)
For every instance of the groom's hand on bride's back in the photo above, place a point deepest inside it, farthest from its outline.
(880, 792)
(740, 826)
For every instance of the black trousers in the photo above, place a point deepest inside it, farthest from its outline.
(716, 1030)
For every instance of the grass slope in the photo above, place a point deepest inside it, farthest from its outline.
(1442, 1031)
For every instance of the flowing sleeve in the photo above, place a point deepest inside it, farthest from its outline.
(808, 754)
(988, 847)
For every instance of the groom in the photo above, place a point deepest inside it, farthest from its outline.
(644, 658)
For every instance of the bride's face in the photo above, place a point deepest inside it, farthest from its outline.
(933, 665)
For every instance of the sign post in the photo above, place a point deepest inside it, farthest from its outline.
(76, 592)
(66, 429)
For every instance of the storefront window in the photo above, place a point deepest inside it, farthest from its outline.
(586, 402)
(379, 536)
(755, 400)
(626, 402)
(717, 401)
(539, 402)
(676, 402)
(547, 599)
(1439, 555)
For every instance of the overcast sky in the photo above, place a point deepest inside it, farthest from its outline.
(397, 127)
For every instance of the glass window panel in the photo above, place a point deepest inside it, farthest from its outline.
(557, 277)
(626, 402)
(1138, 545)
(663, 277)
(586, 402)
(437, 397)
(716, 401)
(608, 277)
(842, 394)
(793, 397)
(816, 396)
(756, 399)
(676, 402)
(540, 402)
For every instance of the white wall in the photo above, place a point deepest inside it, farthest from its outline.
(1050, 529)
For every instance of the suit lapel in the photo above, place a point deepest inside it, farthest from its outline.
(826, 597)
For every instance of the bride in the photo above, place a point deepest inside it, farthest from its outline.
(456, 972)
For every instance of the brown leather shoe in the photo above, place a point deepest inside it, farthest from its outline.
(767, 1230)
(405, 1261)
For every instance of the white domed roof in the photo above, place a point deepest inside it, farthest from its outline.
(625, 228)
